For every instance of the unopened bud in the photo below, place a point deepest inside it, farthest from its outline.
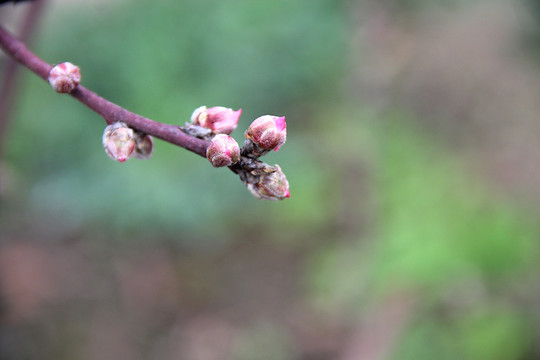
(268, 132)
(119, 141)
(144, 146)
(219, 119)
(272, 186)
(64, 77)
(223, 151)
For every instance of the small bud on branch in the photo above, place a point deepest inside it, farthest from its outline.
(219, 119)
(223, 151)
(270, 186)
(144, 146)
(64, 77)
(264, 134)
(119, 141)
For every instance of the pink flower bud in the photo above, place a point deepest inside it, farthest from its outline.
(64, 77)
(268, 132)
(223, 151)
(119, 141)
(144, 146)
(272, 186)
(219, 119)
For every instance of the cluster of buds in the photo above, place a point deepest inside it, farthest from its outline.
(122, 142)
(266, 182)
(64, 77)
(215, 124)
(265, 133)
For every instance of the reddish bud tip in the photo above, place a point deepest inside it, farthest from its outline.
(280, 123)
(269, 132)
(64, 77)
(219, 119)
(119, 141)
(223, 151)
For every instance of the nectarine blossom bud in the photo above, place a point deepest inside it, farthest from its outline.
(219, 119)
(272, 186)
(223, 151)
(144, 146)
(64, 77)
(119, 141)
(267, 132)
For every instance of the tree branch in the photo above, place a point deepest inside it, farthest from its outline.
(264, 134)
(108, 110)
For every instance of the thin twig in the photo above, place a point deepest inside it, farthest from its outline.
(108, 110)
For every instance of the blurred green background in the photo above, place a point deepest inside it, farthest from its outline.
(412, 157)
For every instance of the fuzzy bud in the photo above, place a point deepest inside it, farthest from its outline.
(144, 146)
(223, 151)
(219, 119)
(272, 186)
(119, 141)
(268, 132)
(64, 77)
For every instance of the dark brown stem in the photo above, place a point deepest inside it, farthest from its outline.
(108, 110)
